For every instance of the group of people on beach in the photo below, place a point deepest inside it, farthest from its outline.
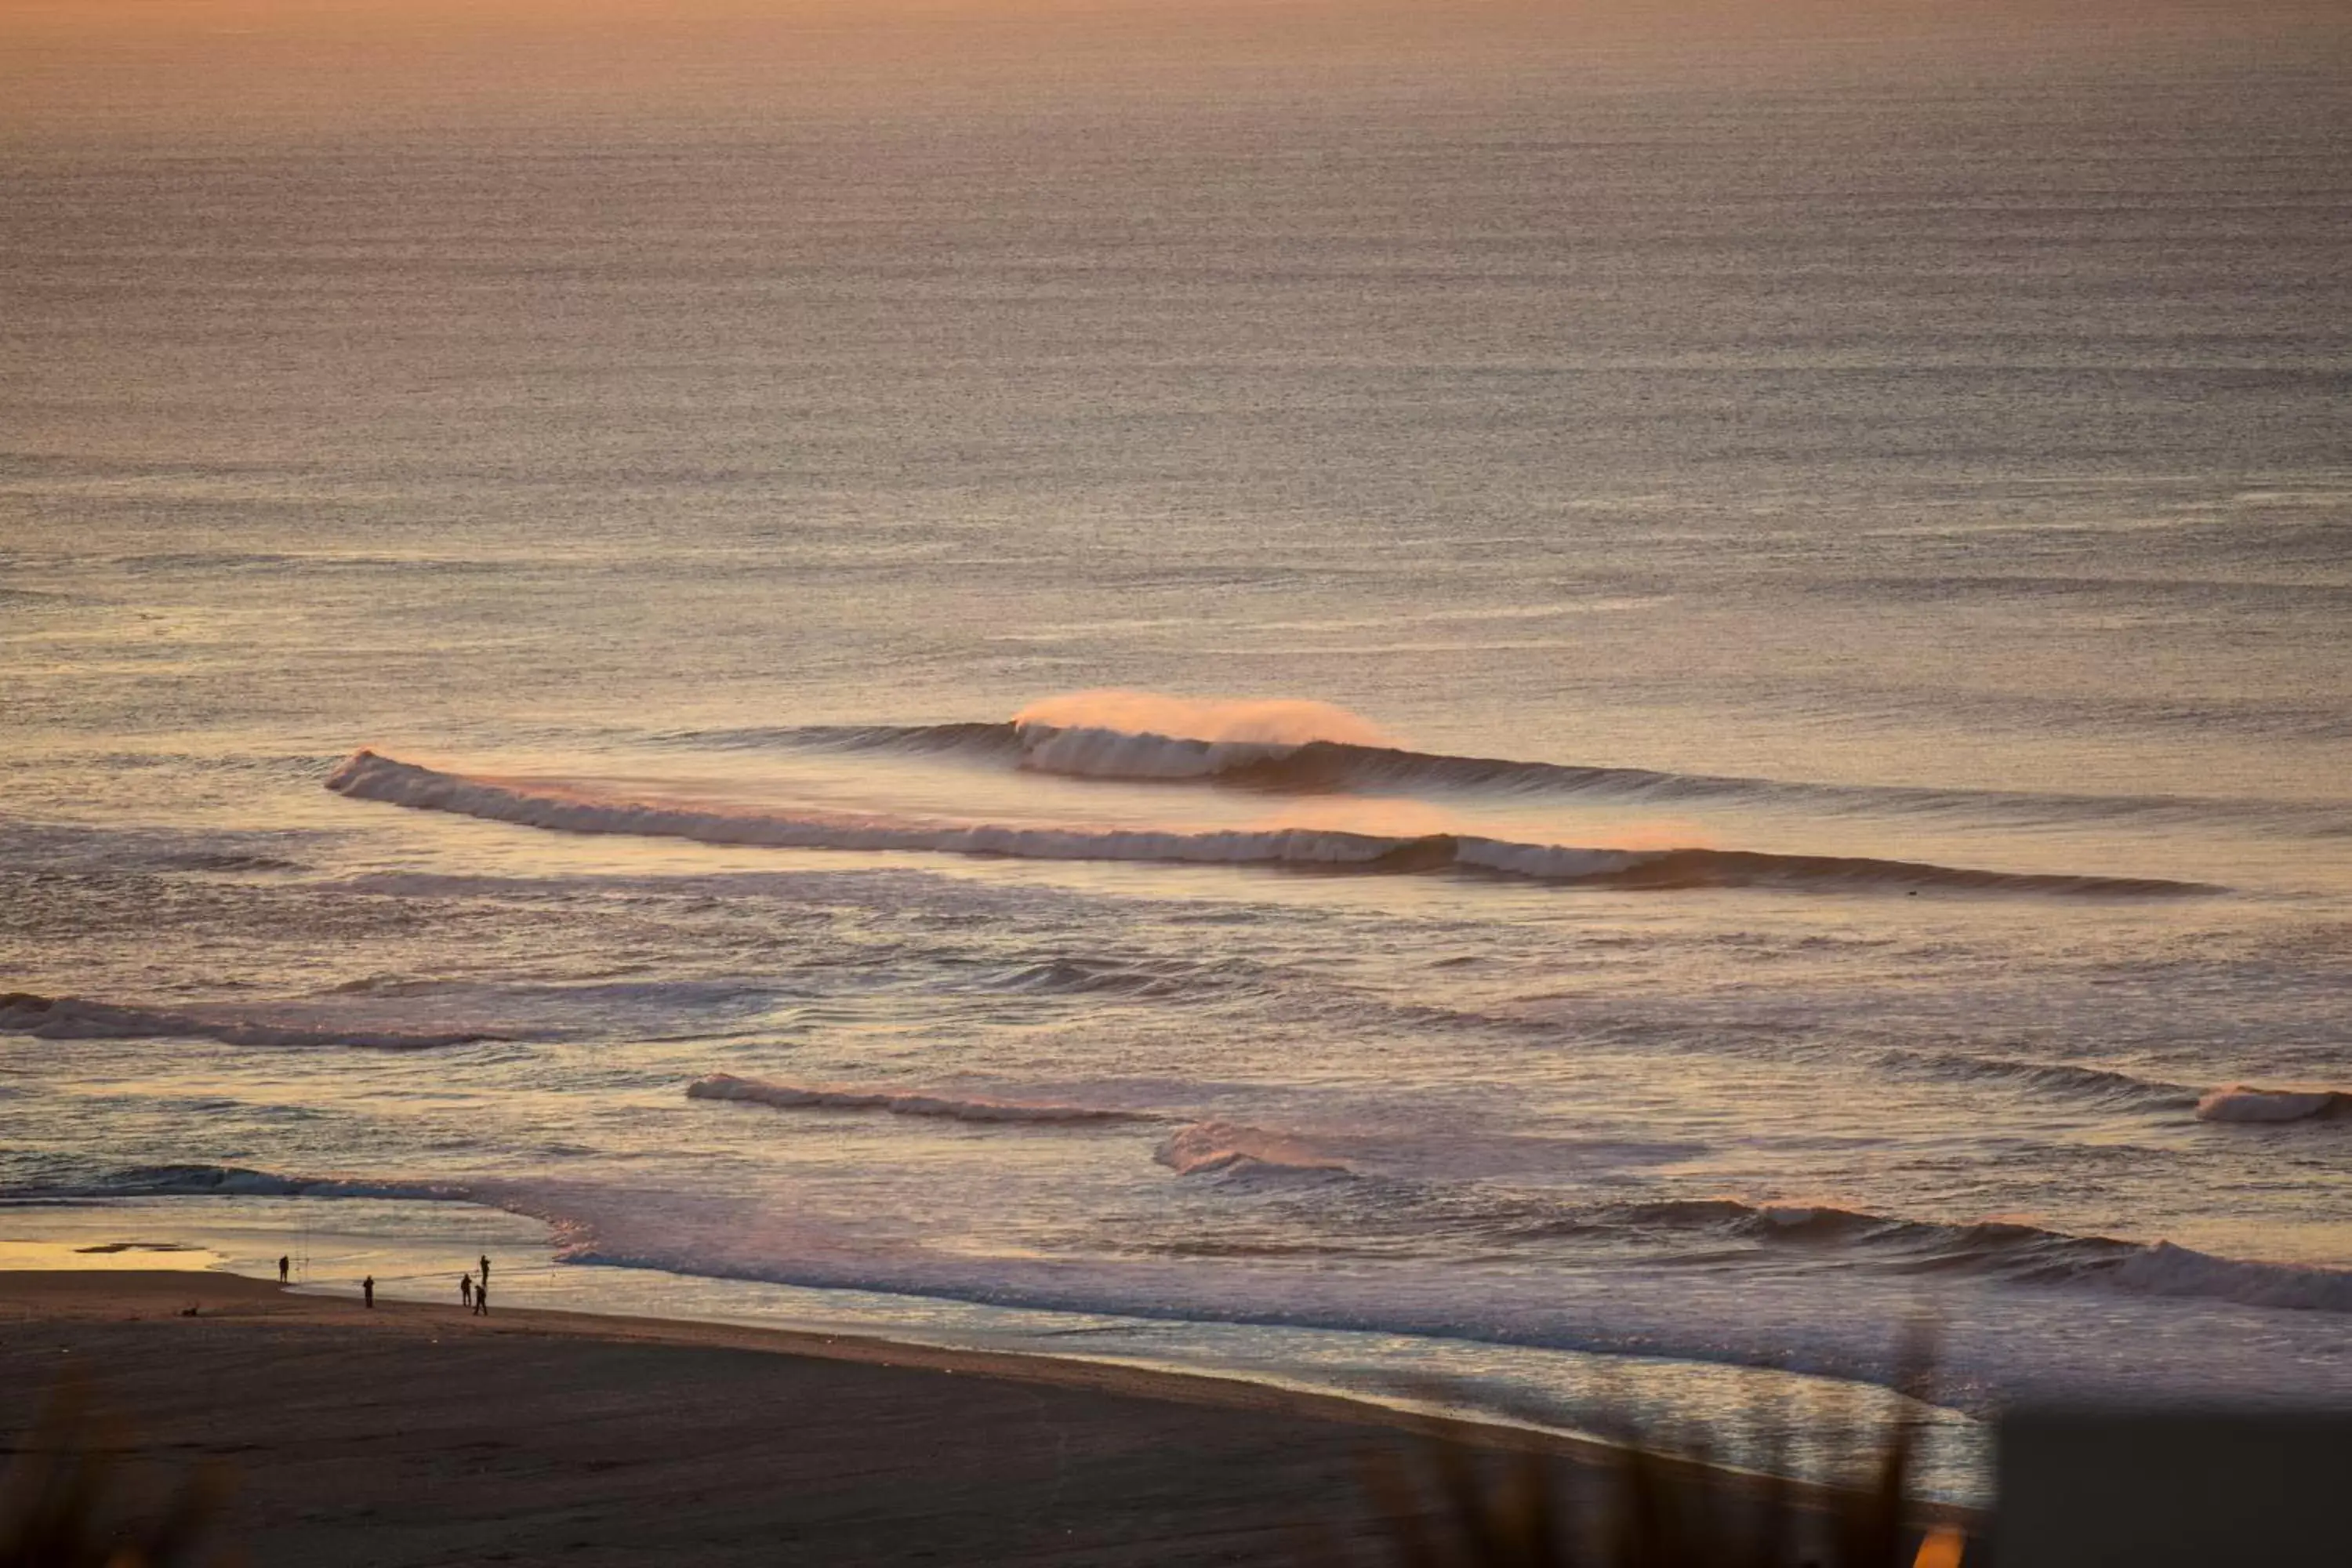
(472, 1293)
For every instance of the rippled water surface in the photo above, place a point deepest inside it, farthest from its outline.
(1797, 773)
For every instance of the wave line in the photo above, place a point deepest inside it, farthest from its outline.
(368, 776)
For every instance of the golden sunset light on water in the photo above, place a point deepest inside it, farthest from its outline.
(1520, 781)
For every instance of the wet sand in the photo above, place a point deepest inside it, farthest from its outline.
(416, 1434)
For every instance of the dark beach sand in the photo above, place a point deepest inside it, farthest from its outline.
(414, 1433)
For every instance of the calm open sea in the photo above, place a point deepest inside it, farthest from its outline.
(1796, 767)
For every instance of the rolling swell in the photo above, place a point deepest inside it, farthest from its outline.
(1192, 1149)
(898, 1102)
(2165, 1269)
(1998, 1250)
(238, 1181)
(2099, 1086)
(367, 776)
(76, 1018)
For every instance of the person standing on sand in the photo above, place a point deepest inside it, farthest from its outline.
(367, 1290)
(465, 1289)
(283, 1263)
(485, 1261)
(482, 1300)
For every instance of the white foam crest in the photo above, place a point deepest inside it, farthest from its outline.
(1100, 753)
(2165, 1269)
(898, 1102)
(77, 1018)
(1269, 722)
(1204, 1147)
(2243, 1102)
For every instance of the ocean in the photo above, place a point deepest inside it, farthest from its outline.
(1492, 724)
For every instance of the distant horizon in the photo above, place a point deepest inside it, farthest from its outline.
(209, 69)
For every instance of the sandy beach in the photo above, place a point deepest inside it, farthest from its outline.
(414, 1434)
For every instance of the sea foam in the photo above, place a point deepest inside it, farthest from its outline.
(2243, 1102)
(1205, 1147)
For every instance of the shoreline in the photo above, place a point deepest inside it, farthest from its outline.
(67, 1295)
(114, 1301)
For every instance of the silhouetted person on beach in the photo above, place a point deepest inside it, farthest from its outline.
(482, 1300)
(283, 1264)
(465, 1289)
(486, 1268)
(367, 1289)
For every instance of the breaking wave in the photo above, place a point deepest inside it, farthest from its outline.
(798, 1097)
(75, 1018)
(2243, 1102)
(1301, 765)
(1206, 1147)
(367, 776)
(1215, 720)
(1345, 754)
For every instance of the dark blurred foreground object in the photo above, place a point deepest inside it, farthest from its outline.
(67, 1502)
(1471, 1511)
(2153, 1489)
(1664, 1499)
(1656, 1502)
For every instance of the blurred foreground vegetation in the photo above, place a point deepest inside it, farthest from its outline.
(72, 1498)
(1653, 1499)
